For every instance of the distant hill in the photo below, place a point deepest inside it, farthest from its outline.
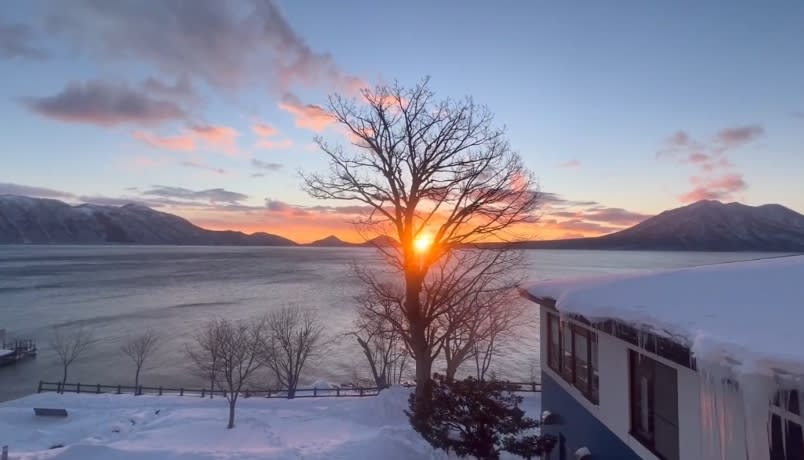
(45, 221)
(332, 241)
(702, 226)
(382, 241)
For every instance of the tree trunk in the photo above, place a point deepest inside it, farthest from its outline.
(231, 413)
(421, 354)
(419, 346)
(137, 377)
(64, 376)
(451, 370)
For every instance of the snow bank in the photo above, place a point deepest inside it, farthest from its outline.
(190, 428)
(748, 313)
(5, 352)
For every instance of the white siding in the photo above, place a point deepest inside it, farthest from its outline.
(614, 407)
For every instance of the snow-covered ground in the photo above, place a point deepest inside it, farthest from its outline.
(101, 427)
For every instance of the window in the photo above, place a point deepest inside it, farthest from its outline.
(553, 343)
(572, 353)
(654, 405)
(787, 441)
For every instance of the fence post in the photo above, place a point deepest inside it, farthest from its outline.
(39, 390)
(315, 392)
(98, 392)
(181, 391)
(78, 387)
(58, 387)
(361, 391)
(203, 392)
(160, 390)
(338, 391)
(118, 389)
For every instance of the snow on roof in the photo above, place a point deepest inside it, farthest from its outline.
(5, 352)
(751, 313)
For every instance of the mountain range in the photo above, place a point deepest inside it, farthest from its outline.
(701, 226)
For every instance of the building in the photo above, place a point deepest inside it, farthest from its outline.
(695, 363)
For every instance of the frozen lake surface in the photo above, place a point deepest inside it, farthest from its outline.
(121, 290)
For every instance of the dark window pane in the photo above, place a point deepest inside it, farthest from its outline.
(581, 344)
(567, 363)
(554, 343)
(593, 391)
(792, 402)
(654, 405)
(794, 443)
(776, 440)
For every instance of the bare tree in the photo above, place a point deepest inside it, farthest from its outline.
(467, 300)
(237, 348)
(423, 167)
(139, 349)
(70, 346)
(383, 347)
(205, 353)
(292, 337)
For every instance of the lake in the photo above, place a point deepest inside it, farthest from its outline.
(122, 290)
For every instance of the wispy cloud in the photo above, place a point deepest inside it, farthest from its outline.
(16, 41)
(182, 142)
(715, 178)
(264, 129)
(215, 195)
(7, 188)
(307, 116)
(217, 136)
(574, 163)
(202, 165)
(104, 103)
(268, 166)
(227, 45)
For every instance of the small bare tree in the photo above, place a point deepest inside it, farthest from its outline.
(382, 346)
(205, 353)
(139, 349)
(292, 337)
(70, 346)
(237, 356)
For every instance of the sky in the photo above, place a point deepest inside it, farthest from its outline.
(208, 109)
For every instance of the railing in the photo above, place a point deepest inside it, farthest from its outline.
(60, 387)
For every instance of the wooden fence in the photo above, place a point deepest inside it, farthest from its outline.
(60, 387)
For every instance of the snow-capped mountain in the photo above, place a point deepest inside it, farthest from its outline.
(39, 221)
(705, 226)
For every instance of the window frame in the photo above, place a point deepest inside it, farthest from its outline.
(648, 439)
(566, 365)
(780, 407)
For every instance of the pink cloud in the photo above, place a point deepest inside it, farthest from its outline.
(732, 137)
(270, 144)
(308, 116)
(264, 129)
(718, 188)
(574, 163)
(217, 136)
(181, 142)
(698, 157)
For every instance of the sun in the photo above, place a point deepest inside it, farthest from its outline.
(422, 243)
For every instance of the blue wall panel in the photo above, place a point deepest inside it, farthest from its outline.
(579, 427)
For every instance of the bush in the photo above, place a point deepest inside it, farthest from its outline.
(480, 418)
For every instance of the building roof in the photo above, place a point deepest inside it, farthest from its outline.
(749, 314)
